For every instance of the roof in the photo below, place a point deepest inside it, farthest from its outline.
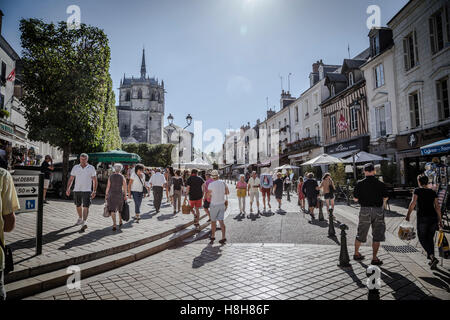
(401, 10)
(335, 77)
(8, 49)
(365, 54)
(130, 81)
(350, 64)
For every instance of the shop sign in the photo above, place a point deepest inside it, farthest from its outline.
(412, 140)
(6, 128)
(358, 144)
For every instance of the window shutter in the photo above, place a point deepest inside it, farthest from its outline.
(416, 49)
(405, 53)
(412, 114)
(382, 73)
(388, 115)
(432, 36)
(439, 100)
(373, 122)
(447, 21)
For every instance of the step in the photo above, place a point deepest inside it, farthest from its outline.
(51, 264)
(57, 278)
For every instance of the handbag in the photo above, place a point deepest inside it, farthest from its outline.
(125, 213)
(226, 201)
(144, 188)
(9, 263)
(444, 249)
(186, 208)
(106, 212)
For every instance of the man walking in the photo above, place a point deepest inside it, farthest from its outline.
(157, 183)
(216, 192)
(310, 190)
(194, 188)
(85, 176)
(253, 191)
(266, 188)
(370, 193)
(207, 200)
(8, 204)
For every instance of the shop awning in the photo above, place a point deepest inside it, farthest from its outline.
(344, 154)
(442, 146)
(298, 155)
(114, 156)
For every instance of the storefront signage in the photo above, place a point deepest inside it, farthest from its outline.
(6, 128)
(412, 140)
(21, 180)
(357, 144)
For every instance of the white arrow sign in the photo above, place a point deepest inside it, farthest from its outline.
(24, 191)
(20, 180)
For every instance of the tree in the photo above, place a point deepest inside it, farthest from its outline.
(67, 88)
(338, 174)
(158, 155)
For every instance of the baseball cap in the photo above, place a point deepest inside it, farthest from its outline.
(369, 167)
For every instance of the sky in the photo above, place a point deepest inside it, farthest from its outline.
(219, 59)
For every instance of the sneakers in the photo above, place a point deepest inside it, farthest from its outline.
(79, 221)
(433, 263)
(83, 226)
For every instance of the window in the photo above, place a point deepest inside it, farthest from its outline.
(410, 51)
(353, 118)
(297, 136)
(317, 126)
(285, 122)
(308, 133)
(442, 99)
(2, 101)
(380, 117)
(350, 79)
(279, 124)
(127, 96)
(3, 75)
(379, 76)
(306, 108)
(333, 125)
(414, 109)
(375, 45)
(332, 90)
(139, 94)
(436, 25)
(296, 113)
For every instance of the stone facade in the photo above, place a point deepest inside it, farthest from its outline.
(141, 108)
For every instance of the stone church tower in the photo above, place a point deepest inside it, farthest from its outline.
(141, 108)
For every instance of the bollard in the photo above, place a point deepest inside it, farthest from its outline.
(288, 196)
(321, 218)
(344, 259)
(331, 232)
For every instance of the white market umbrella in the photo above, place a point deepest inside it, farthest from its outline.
(287, 167)
(363, 156)
(198, 163)
(321, 160)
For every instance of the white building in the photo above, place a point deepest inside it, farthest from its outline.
(421, 36)
(183, 141)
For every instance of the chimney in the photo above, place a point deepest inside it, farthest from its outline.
(1, 20)
(315, 67)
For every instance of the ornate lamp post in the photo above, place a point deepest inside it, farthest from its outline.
(188, 121)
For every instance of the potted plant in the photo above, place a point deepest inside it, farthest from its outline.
(4, 113)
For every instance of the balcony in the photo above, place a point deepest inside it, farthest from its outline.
(303, 145)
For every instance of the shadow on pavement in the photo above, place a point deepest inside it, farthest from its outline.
(208, 254)
(90, 237)
(166, 217)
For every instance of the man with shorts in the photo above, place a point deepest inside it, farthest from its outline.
(216, 192)
(310, 190)
(266, 188)
(371, 195)
(253, 191)
(85, 176)
(194, 188)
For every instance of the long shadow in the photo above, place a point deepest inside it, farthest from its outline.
(164, 217)
(392, 214)
(208, 254)
(267, 213)
(281, 212)
(46, 238)
(89, 237)
(240, 217)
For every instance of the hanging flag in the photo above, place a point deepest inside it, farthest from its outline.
(12, 75)
(342, 123)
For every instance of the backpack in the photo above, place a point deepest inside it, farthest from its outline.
(177, 183)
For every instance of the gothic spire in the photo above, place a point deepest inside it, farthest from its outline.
(143, 69)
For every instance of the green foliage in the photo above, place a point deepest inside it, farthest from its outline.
(316, 170)
(4, 113)
(337, 172)
(388, 171)
(158, 155)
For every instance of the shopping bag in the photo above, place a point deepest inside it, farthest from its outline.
(186, 208)
(106, 212)
(125, 213)
(406, 231)
(444, 250)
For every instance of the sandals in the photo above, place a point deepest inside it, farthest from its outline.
(223, 241)
(376, 262)
(358, 257)
(212, 239)
(433, 263)
(114, 228)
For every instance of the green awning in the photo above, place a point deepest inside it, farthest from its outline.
(114, 156)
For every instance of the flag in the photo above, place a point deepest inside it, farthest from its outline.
(342, 123)
(12, 75)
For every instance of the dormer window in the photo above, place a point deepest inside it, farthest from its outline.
(375, 45)
(332, 90)
(351, 81)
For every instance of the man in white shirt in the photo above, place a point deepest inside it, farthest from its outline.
(157, 183)
(216, 192)
(85, 176)
(253, 190)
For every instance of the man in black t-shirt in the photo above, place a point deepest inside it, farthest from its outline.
(310, 190)
(370, 193)
(194, 188)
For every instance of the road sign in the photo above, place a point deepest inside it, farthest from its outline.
(28, 204)
(26, 180)
(27, 191)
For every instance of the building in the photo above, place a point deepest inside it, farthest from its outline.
(379, 72)
(183, 141)
(306, 116)
(141, 108)
(422, 69)
(344, 112)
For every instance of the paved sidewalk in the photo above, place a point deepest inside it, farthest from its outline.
(62, 238)
(246, 271)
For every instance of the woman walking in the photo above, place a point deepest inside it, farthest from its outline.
(46, 169)
(136, 187)
(327, 185)
(116, 194)
(278, 189)
(177, 183)
(428, 217)
(301, 195)
(241, 189)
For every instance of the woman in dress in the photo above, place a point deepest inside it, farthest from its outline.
(278, 189)
(136, 187)
(301, 195)
(428, 216)
(241, 188)
(327, 185)
(116, 194)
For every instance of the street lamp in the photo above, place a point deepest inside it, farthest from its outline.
(188, 121)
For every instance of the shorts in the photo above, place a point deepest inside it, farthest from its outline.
(312, 202)
(82, 197)
(206, 204)
(217, 212)
(46, 183)
(371, 216)
(266, 192)
(254, 194)
(196, 203)
(328, 196)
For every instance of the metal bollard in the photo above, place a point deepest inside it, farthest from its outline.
(321, 218)
(331, 231)
(344, 259)
(288, 195)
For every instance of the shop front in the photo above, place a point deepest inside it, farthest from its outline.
(344, 149)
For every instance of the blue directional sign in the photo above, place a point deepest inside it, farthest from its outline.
(30, 204)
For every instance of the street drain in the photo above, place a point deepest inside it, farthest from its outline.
(402, 249)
